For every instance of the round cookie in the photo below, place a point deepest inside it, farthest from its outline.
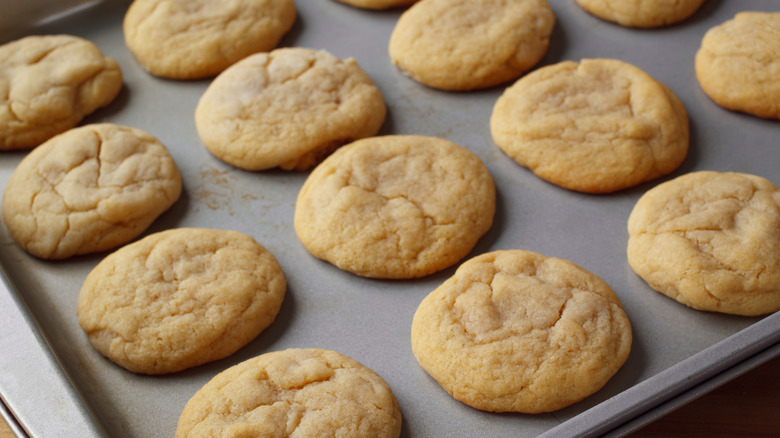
(180, 298)
(295, 392)
(288, 108)
(470, 44)
(190, 39)
(642, 13)
(515, 331)
(48, 84)
(596, 126)
(378, 4)
(711, 241)
(90, 189)
(738, 65)
(395, 206)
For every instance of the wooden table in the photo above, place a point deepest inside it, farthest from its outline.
(748, 406)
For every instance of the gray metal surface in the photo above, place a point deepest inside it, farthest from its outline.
(685, 393)
(675, 348)
(682, 383)
(10, 421)
(32, 382)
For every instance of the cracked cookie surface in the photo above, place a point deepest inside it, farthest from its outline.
(90, 189)
(48, 84)
(288, 108)
(516, 331)
(470, 44)
(190, 39)
(180, 298)
(293, 393)
(738, 65)
(395, 206)
(642, 13)
(596, 126)
(711, 241)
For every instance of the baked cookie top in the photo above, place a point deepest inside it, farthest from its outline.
(288, 108)
(48, 84)
(180, 298)
(90, 189)
(711, 241)
(189, 39)
(295, 392)
(395, 206)
(378, 4)
(470, 44)
(642, 13)
(596, 126)
(516, 331)
(738, 65)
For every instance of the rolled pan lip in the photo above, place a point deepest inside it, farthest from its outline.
(678, 384)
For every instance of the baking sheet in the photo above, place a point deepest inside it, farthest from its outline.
(674, 346)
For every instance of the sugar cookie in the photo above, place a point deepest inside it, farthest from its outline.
(190, 39)
(48, 84)
(295, 392)
(711, 241)
(180, 298)
(642, 13)
(470, 44)
(738, 64)
(90, 189)
(515, 331)
(288, 108)
(596, 126)
(395, 206)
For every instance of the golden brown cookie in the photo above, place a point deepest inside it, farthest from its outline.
(293, 393)
(642, 13)
(48, 84)
(378, 4)
(395, 206)
(738, 64)
(180, 298)
(288, 108)
(88, 190)
(515, 331)
(189, 39)
(596, 126)
(711, 241)
(470, 44)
